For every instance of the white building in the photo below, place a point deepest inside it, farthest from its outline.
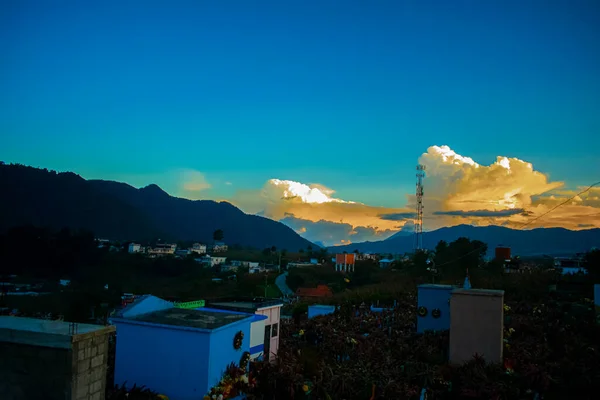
(163, 248)
(135, 248)
(219, 247)
(198, 248)
(211, 261)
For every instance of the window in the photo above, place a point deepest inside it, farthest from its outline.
(275, 331)
(267, 342)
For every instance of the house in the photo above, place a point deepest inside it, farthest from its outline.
(319, 292)
(367, 256)
(181, 353)
(183, 252)
(314, 261)
(219, 247)
(229, 268)
(211, 261)
(135, 248)
(257, 270)
(198, 248)
(385, 262)
(299, 265)
(345, 262)
(570, 266)
(261, 329)
(162, 249)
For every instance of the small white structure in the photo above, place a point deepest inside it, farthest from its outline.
(219, 247)
(198, 248)
(163, 249)
(183, 252)
(386, 262)
(135, 248)
(211, 261)
(64, 282)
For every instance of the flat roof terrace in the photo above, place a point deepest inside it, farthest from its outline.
(202, 319)
(243, 304)
(47, 333)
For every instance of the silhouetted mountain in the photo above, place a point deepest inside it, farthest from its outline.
(118, 211)
(550, 241)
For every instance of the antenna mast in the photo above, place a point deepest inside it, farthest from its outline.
(418, 245)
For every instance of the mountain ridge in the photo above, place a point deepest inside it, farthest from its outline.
(538, 241)
(117, 210)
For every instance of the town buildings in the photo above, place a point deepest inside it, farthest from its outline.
(198, 248)
(219, 247)
(162, 249)
(135, 248)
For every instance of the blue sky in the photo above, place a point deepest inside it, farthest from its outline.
(344, 93)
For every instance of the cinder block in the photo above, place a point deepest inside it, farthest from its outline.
(95, 386)
(97, 361)
(83, 366)
(82, 391)
(477, 325)
(434, 300)
(96, 396)
(98, 373)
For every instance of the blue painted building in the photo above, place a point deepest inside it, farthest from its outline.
(181, 353)
(257, 331)
(433, 307)
(318, 309)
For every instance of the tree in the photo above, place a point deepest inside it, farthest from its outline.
(218, 235)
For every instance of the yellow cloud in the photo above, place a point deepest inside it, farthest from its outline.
(279, 199)
(458, 190)
(455, 183)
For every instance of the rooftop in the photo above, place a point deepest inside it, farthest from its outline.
(190, 318)
(479, 292)
(435, 286)
(245, 304)
(47, 333)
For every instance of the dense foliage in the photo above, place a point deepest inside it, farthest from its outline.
(551, 349)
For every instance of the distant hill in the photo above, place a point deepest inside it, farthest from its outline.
(118, 211)
(548, 241)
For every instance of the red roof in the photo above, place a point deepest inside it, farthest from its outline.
(319, 291)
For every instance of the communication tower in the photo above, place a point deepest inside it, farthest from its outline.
(418, 245)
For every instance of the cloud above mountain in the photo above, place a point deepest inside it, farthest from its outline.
(314, 211)
(458, 190)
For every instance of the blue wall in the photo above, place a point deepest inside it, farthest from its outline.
(316, 310)
(171, 361)
(222, 352)
(431, 297)
(180, 363)
(597, 295)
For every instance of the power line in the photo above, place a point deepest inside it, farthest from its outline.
(527, 223)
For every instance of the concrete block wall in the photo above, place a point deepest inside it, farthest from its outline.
(33, 372)
(52, 360)
(477, 325)
(89, 359)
